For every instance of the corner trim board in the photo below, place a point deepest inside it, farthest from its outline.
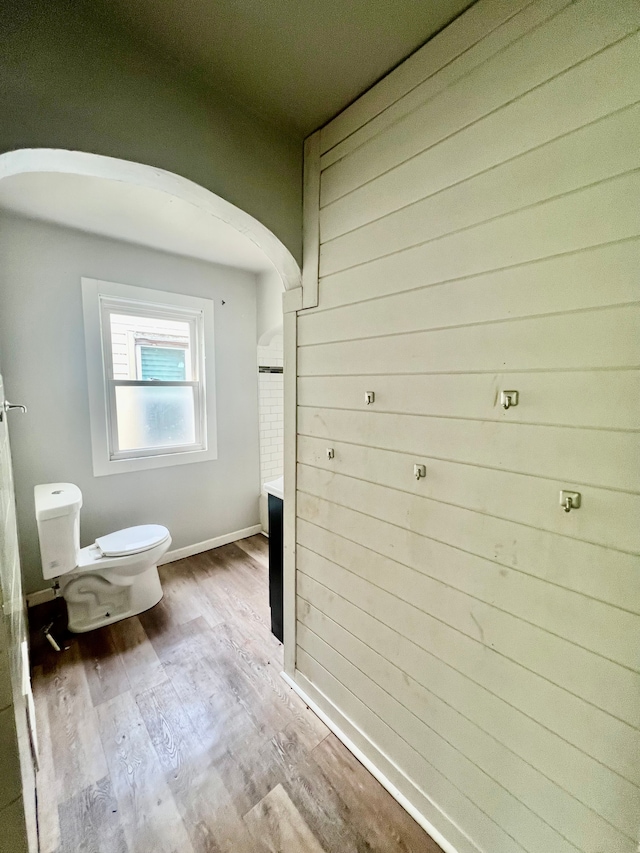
(311, 221)
(290, 331)
(372, 758)
(292, 300)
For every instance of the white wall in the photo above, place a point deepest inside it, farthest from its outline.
(269, 305)
(479, 225)
(42, 354)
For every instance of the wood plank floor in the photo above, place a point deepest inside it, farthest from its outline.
(172, 732)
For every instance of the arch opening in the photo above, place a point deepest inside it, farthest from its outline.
(223, 214)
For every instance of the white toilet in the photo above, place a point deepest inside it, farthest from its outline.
(114, 578)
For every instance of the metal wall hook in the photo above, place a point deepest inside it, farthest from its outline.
(508, 399)
(330, 453)
(419, 471)
(369, 397)
(570, 500)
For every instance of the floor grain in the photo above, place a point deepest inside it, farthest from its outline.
(172, 732)
(47, 812)
(142, 665)
(78, 755)
(277, 823)
(90, 821)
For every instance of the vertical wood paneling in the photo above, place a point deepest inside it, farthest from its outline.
(479, 229)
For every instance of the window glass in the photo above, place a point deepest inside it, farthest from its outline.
(155, 416)
(152, 402)
(163, 363)
(131, 335)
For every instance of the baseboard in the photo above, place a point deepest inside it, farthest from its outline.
(40, 596)
(209, 544)
(48, 594)
(380, 766)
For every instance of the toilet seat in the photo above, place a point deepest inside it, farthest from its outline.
(132, 540)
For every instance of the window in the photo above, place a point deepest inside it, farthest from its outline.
(150, 401)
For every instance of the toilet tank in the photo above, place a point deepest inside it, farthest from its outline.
(58, 516)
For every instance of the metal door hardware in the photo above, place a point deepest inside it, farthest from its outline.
(369, 397)
(419, 471)
(570, 500)
(330, 453)
(508, 399)
(8, 406)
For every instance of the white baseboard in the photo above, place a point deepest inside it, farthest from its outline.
(209, 544)
(48, 594)
(40, 596)
(373, 759)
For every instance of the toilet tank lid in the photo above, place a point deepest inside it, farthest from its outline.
(132, 540)
(56, 499)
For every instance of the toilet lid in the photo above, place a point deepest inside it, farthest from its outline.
(132, 540)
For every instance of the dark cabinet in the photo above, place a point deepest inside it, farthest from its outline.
(275, 564)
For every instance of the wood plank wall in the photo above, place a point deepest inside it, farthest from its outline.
(479, 222)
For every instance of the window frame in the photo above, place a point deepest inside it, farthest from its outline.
(102, 299)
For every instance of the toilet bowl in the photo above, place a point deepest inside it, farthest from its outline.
(115, 577)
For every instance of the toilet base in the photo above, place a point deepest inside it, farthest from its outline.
(93, 601)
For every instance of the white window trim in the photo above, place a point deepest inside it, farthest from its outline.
(94, 292)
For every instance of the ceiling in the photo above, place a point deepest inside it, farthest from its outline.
(296, 62)
(134, 214)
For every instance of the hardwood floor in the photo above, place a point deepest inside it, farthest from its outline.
(172, 732)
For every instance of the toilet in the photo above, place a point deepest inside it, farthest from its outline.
(112, 579)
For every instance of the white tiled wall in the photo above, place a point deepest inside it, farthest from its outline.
(270, 389)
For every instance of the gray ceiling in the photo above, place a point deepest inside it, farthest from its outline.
(296, 62)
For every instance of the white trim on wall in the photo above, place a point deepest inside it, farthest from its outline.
(292, 300)
(35, 160)
(367, 754)
(99, 408)
(209, 544)
(311, 221)
(290, 328)
(48, 594)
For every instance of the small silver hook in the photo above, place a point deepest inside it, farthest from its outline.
(570, 500)
(508, 399)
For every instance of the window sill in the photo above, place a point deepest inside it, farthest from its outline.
(103, 467)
